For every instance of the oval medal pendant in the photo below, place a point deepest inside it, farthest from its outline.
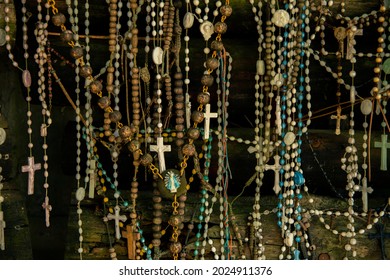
(260, 67)
(26, 78)
(80, 194)
(172, 184)
(188, 20)
(366, 107)
(157, 55)
(207, 29)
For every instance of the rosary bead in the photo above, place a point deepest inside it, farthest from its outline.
(125, 132)
(58, 19)
(66, 36)
(197, 116)
(76, 52)
(220, 28)
(193, 133)
(134, 146)
(188, 150)
(146, 159)
(207, 80)
(212, 63)
(115, 116)
(86, 71)
(96, 87)
(203, 98)
(217, 45)
(226, 10)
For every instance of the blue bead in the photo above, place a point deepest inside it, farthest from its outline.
(283, 116)
(300, 124)
(301, 88)
(282, 152)
(284, 98)
(284, 62)
(199, 226)
(298, 239)
(104, 172)
(297, 226)
(300, 116)
(300, 106)
(284, 53)
(282, 161)
(284, 75)
(296, 254)
(280, 196)
(100, 165)
(108, 179)
(300, 196)
(140, 231)
(303, 16)
(112, 186)
(202, 209)
(197, 243)
(301, 65)
(195, 252)
(281, 183)
(279, 214)
(206, 178)
(200, 218)
(292, 195)
(301, 79)
(279, 223)
(283, 107)
(298, 178)
(149, 252)
(125, 203)
(202, 200)
(299, 217)
(303, 44)
(284, 126)
(198, 235)
(303, 26)
(286, 6)
(285, 34)
(299, 208)
(299, 160)
(142, 239)
(203, 191)
(285, 44)
(280, 205)
(299, 141)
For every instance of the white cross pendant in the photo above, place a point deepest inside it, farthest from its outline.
(207, 116)
(160, 148)
(117, 217)
(276, 168)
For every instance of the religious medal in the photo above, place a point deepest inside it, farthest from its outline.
(281, 18)
(172, 184)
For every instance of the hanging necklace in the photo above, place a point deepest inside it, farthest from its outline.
(26, 78)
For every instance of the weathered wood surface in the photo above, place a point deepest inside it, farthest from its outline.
(96, 242)
(17, 231)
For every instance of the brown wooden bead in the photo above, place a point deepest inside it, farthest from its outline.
(76, 52)
(96, 87)
(212, 63)
(66, 36)
(188, 150)
(207, 80)
(193, 133)
(104, 102)
(111, 139)
(146, 159)
(58, 19)
(86, 71)
(197, 116)
(125, 132)
(106, 126)
(134, 145)
(220, 28)
(115, 116)
(175, 247)
(203, 98)
(226, 10)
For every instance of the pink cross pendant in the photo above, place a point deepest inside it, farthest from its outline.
(30, 168)
(47, 208)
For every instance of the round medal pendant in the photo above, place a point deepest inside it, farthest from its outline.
(172, 184)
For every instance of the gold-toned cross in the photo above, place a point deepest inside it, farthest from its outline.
(338, 117)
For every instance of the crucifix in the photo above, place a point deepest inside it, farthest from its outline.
(117, 218)
(384, 145)
(47, 208)
(160, 149)
(352, 31)
(30, 168)
(338, 117)
(188, 111)
(207, 116)
(275, 167)
(2, 227)
(365, 191)
(132, 236)
(340, 33)
(92, 178)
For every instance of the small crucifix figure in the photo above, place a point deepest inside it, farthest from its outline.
(188, 111)
(207, 116)
(92, 178)
(47, 208)
(2, 227)
(117, 217)
(352, 31)
(276, 167)
(338, 117)
(365, 191)
(384, 145)
(30, 168)
(160, 149)
(132, 236)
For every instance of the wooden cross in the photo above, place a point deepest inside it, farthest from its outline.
(30, 168)
(2, 227)
(351, 33)
(384, 146)
(338, 119)
(132, 236)
(365, 191)
(92, 178)
(276, 167)
(117, 218)
(381, 235)
(160, 149)
(47, 208)
(207, 117)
